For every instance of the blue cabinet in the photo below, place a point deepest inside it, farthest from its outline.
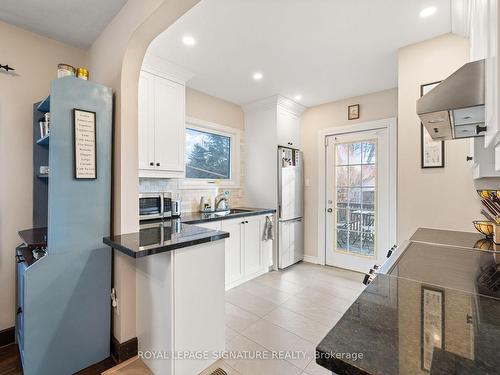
(64, 305)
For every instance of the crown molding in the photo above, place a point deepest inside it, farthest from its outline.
(156, 65)
(275, 102)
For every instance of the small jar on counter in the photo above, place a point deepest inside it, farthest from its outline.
(82, 73)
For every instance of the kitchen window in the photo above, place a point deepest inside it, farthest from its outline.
(211, 154)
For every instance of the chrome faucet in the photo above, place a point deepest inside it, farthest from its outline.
(221, 200)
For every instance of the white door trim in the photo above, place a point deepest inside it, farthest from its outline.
(391, 125)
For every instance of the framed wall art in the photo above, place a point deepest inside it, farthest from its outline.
(353, 112)
(85, 152)
(431, 151)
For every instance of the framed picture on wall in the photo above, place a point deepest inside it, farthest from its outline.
(431, 151)
(432, 324)
(84, 143)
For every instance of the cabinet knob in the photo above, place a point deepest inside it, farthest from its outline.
(151, 163)
(469, 158)
(157, 164)
(246, 221)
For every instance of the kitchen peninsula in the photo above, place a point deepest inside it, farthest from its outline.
(180, 293)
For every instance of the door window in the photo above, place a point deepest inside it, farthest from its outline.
(355, 184)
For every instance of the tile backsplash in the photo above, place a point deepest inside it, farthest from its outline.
(190, 197)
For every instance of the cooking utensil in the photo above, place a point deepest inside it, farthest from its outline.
(484, 227)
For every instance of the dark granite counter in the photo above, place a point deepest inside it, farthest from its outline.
(161, 237)
(395, 323)
(436, 310)
(235, 213)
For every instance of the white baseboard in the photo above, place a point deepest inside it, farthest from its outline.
(311, 259)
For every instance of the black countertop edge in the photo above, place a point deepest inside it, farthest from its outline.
(331, 362)
(196, 240)
(200, 217)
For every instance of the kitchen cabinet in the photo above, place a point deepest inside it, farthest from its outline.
(234, 251)
(247, 254)
(161, 127)
(288, 128)
(482, 159)
(483, 26)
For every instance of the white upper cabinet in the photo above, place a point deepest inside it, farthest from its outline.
(162, 93)
(146, 122)
(483, 33)
(288, 125)
(169, 125)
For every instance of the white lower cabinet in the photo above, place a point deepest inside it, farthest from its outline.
(247, 254)
(234, 244)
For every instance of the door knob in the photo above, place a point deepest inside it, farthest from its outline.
(329, 210)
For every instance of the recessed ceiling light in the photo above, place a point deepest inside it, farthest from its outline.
(297, 97)
(188, 40)
(257, 76)
(426, 12)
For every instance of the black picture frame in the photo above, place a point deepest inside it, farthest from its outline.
(75, 172)
(422, 130)
(425, 289)
(351, 116)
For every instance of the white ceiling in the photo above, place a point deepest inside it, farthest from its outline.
(324, 50)
(76, 22)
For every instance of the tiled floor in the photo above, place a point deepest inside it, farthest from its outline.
(287, 313)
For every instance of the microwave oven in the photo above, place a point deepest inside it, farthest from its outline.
(155, 205)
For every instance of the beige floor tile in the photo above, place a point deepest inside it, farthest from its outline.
(298, 324)
(239, 319)
(133, 366)
(230, 333)
(314, 369)
(331, 301)
(279, 283)
(299, 352)
(313, 310)
(223, 365)
(257, 366)
(271, 294)
(249, 302)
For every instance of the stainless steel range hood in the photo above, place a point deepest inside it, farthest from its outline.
(455, 108)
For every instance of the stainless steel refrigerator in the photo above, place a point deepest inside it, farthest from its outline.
(290, 207)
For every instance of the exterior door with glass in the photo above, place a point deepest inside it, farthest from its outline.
(357, 199)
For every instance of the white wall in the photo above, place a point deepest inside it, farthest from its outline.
(443, 197)
(35, 59)
(115, 59)
(375, 106)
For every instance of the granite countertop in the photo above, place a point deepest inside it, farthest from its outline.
(161, 237)
(444, 284)
(201, 217)
(383, 332)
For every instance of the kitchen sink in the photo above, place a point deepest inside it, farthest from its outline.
(232, 211)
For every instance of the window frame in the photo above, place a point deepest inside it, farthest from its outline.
(226, 131)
